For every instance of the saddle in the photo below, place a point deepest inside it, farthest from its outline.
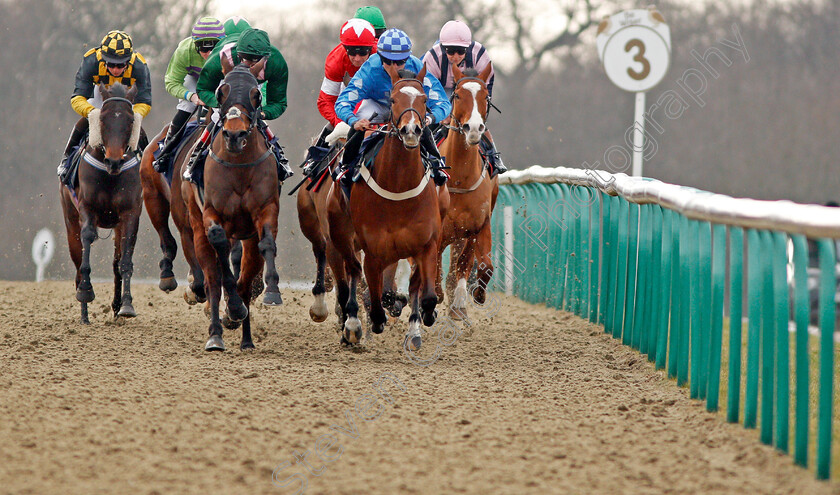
(367, 154)
(189, 128)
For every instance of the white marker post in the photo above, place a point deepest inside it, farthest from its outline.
(42, 252)
(635, 48)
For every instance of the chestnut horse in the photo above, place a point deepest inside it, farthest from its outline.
(472, 193)
(160, 199)
(107, 196)
(240, 201)
(312, 216)
(395, 213)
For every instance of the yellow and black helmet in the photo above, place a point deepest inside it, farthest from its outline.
(116, 47)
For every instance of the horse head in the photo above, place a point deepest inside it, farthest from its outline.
(112, 127)
(408, 104)
(240, 102)
(470, 102)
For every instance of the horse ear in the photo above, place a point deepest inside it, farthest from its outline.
(227, 65)
(256, 97)
(131, 94)
(105, 90)
(485, 74)
(456, 73)
(222, 93)
(258, 67)
(422, 73)
(395, 77)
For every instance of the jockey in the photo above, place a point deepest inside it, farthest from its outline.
(372, 86)
(374, 16)
(456, 47)
(252, 46)
(114, 61)
(182, 76)
(358, 41)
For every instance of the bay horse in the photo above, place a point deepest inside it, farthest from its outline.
(472, 193)
(108, 196)
(240, 201)
(394, 213)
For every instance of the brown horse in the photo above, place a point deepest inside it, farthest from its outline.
(473, 194)
(240, 201)
(395, 213)
(107, 196)
(312, 216)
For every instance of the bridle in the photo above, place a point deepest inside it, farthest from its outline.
(394, 124)
(130, 104)
(459, 127)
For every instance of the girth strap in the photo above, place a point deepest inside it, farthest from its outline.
(241, 165)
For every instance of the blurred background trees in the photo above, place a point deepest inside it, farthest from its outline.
(767, 129)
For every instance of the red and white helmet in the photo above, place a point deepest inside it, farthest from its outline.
(357, 32)
(455, 33)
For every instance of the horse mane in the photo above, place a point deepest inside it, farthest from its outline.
(118, 90)
(407, 74)
(470, 72)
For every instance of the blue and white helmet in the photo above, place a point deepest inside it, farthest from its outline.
(394, 44)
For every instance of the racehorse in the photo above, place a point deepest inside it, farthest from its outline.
(312, 216)
(107, 196)
(240, 201)
(472, 194)
(395, 213)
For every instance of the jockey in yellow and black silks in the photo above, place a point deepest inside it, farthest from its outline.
(114, 61)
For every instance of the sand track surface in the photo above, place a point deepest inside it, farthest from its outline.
(531, 400)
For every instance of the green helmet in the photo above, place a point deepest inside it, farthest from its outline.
(236, 25)
(373, 15)
(253, 42)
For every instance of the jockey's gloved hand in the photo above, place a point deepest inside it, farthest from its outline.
(430, 119)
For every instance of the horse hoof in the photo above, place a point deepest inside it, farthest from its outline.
(412, 343)
(247, 346)
(84, 321)
(168, 284)
(273, 299)
(189, 296)
(353, 330)
(230, 324)
(215, 343)
(127, 311)
(377, 328)
(458, 314)
(238, 312)
(429, 317)
(318, 316)
(85, 296)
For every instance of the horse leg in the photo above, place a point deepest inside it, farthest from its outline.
(352, 326)
(268, 250)
(209, 265)
(336, 262)
(236, 309)
(157, 206)
(318, 311)
(195, 291)
(426, 266)
(484, 242)
(413, 339)
(456, 249)
(115, 304)
(392, 300)
(84, 290)
(74, 242)
(252, 263)
(130, 222)
(373, 274)
(463, 266)
(236, 257)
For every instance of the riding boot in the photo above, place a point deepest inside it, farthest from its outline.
(309, 161)
(350, 155)
(494, 158)
(79, 131)
(170, 143)
(199, 151)
(432, 156)
(284, 171)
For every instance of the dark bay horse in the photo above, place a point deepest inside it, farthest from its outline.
(472, 193)
(395, 213)
(108, 196)
(240, 201)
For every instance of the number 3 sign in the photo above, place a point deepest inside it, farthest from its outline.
(635, 48)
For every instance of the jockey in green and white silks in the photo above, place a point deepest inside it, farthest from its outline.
(182, 76)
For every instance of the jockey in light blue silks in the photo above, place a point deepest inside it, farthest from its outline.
(372, 86)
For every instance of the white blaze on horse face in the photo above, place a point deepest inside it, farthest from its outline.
(412, 93)
(476, 121)
(234, 113)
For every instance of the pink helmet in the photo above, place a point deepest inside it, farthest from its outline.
(455, 33)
